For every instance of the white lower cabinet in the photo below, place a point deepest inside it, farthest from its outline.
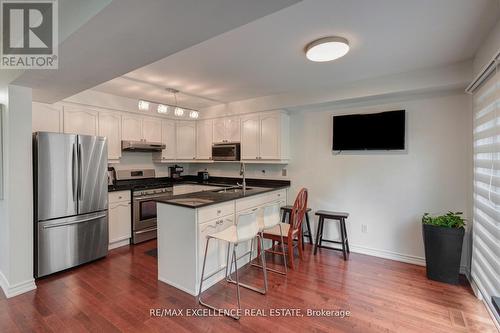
(119, 217)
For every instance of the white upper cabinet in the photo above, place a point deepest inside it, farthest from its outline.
(110, 127)
(233, 129)
(270, 129)
(204, 139)
(265, 137)
(250, 137)
(137, 128)
(186, 140)
(226, 129)
(168, 139)
(47, 118)
(219, 130)
(80, 121)
(132, 128)
(151, 129)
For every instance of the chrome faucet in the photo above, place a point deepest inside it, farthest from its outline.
(244, 183)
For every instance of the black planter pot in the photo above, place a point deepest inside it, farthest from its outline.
(443, 250)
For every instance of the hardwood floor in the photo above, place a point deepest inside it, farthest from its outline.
(116, 294)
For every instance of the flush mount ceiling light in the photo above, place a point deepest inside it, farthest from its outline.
(327, 49)
(194, 114)
(143, 105)
(162, 109)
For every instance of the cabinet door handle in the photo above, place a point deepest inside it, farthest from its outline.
(209, 226)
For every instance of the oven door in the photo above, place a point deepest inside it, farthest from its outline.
(226, 152)
(144, 211)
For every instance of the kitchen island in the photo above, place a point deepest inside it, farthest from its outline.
(184, 221)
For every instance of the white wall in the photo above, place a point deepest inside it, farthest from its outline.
(4, 230)
(389, 192)
(16, 210)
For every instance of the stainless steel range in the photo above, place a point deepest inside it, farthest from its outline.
(145, 190)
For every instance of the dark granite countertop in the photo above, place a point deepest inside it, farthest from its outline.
(208, 198)
(215, 181)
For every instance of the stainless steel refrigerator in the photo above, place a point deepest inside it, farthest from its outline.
(71, 200)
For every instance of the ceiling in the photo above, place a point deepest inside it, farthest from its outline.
(265, 57)
(122, 35)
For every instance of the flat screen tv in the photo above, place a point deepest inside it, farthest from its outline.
(373, 131)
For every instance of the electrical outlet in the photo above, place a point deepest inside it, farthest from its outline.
(364, 228)
(283, 172)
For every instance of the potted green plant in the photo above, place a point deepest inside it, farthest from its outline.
(443, 238)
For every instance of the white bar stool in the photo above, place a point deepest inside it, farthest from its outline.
(246, 229)
(271, 220)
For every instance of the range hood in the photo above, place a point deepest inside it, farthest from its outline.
(142, 146)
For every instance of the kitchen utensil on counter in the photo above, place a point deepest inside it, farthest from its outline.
(175, 172)
(203, 176)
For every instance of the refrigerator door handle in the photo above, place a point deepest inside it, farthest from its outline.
(74, 175)
(80, 175)
(93, 218)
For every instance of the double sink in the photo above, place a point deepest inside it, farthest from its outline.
(202, 201)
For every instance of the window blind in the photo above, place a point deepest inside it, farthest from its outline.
(485, 266)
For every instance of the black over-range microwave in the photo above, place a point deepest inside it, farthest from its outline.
(226, 151)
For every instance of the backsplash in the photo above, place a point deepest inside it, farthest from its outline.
(142, 160)
(264, 171)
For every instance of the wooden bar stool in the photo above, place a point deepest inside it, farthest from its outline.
(285, 218)
(339, 216)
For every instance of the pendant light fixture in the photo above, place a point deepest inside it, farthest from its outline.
(143, 105)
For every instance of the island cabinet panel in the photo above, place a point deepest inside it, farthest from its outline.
(217, 211)
(182, 239)
(213, 262)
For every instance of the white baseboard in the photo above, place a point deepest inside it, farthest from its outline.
(388, 255)
(16, 289)
(119, 243)
(175, 285)
(409, 259)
